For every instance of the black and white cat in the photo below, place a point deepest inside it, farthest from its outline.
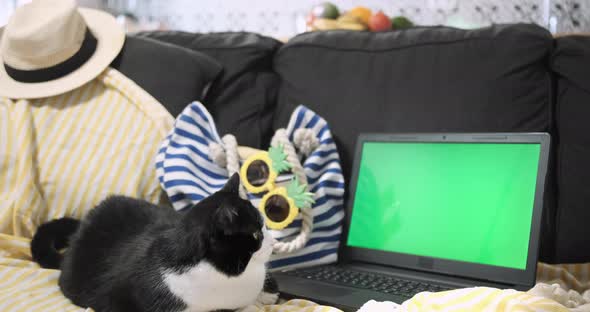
(130, 255)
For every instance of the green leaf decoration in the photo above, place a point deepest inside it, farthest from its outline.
(298, 192)
(279, 158)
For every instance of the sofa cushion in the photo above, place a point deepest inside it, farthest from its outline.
(242, 99)
(571, 61)
(426, 79)
(175, 76)
(422, 79)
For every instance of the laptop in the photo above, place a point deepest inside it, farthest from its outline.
(433, 212)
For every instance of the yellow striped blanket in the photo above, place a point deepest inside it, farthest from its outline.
(60, 156)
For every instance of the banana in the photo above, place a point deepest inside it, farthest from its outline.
(348, 19)
(351, 26)
(346, 23)
(324, 24)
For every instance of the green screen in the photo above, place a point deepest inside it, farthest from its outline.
(469, 202)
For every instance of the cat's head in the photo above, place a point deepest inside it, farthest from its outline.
(235, 233)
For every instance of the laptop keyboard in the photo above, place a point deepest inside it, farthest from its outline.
(366, 280)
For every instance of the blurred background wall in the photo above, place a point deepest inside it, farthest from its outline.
(286, 18)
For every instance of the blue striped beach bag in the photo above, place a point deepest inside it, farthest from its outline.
(194, 162)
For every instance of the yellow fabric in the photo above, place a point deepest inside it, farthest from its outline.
(568, 276)
(480, 299)
(59, 156)
(297, 305)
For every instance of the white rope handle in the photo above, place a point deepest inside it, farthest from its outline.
(281, 138)
(306, 141)
(228, 158)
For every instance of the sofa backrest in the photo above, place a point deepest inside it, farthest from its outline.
(571, 64)
(427, 79)
(500, 78)
(173, 75)
(242, 99)
(423, 79)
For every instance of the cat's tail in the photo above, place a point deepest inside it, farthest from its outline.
(50, 238)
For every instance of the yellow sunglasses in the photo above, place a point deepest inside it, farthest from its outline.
(281, 204)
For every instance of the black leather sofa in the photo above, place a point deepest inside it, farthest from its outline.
(502, 78)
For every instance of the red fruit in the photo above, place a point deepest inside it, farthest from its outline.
(309, 21)
(379, 22)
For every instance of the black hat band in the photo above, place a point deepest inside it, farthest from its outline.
(86, 50)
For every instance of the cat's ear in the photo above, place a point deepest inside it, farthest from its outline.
(233, 184)
(225, 216)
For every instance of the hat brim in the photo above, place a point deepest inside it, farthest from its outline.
(110, 37)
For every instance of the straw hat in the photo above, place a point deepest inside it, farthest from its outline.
(50, 47)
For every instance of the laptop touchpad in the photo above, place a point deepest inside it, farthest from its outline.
(333, 291)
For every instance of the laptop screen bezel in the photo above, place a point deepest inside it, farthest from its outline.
(502, 275)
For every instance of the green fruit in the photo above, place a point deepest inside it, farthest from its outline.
(326, 10)
(401, 22)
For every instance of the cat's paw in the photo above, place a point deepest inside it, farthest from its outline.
(265, 298)
(270, 284)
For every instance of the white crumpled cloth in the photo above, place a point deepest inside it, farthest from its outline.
(570, 299)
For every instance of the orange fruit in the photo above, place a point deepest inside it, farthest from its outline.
(362, 13)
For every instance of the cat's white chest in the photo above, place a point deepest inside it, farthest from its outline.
(203, 288)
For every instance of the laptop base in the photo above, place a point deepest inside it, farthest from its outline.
(343, 298)
(349, 298)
